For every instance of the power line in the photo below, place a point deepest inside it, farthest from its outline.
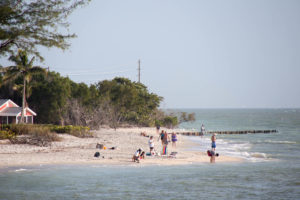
(101, 73)
(92, 68)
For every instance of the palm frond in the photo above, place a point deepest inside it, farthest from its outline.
(37, 69)
(5, 69)
(31, 61)
(15, 59)
(11, 75)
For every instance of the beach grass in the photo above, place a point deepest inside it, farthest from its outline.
(40, 135)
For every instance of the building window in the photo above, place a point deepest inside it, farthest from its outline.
(29, 120)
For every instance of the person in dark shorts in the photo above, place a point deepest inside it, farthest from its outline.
(213, 142)
(151, 145)
(161, 137)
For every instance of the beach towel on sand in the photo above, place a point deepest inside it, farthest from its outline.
(164, 151)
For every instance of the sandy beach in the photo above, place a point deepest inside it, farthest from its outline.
(73, 150)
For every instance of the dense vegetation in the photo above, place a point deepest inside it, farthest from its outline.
(59, 100)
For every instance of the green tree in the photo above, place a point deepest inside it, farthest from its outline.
(131, 101)
(49, 98)
(170, 121)
(27, 24)
(24, 68)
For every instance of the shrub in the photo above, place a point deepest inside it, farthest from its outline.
(7, 134)
(191, 117)
(186, 117)
(22, 129)
(170, 121)
(42, 136)
(29, 134)
(77, 131)
(29, 129)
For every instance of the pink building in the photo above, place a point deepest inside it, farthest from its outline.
(10, 113)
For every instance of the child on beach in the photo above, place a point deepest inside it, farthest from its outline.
(136, 156)
(142, 155)
(151, 145)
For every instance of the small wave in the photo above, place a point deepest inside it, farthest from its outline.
(280, 142)
(20, 170)
(251, 156)
(234, 148)
(258, 155)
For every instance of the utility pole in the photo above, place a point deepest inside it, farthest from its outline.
(139, 70)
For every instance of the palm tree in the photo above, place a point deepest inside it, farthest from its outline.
(23, 68)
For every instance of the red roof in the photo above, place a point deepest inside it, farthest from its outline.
(9, 108)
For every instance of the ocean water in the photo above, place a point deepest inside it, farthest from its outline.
(271, 169)
(283, 146)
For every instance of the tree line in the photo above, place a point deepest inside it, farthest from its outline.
(59, 100)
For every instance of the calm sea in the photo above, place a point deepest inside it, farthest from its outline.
(271, 169)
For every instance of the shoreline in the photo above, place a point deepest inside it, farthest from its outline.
(80, 151)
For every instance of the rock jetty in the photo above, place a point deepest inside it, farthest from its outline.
(228, 132)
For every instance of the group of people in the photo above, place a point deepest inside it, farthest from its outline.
(138, 155)
(165, 140)
(211, 153)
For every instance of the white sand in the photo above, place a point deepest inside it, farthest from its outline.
(73, 150)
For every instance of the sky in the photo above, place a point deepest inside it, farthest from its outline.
(194, 53)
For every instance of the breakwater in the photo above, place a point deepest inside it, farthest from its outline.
(228, 132)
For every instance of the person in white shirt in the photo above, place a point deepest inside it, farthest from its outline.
(136, 156)
(151, 145)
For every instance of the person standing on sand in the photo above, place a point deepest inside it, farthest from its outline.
(157, 128)
(202, 130)
(165, 142)
(161, 137)
(151, 145)
(174, 139)
(213, 142)
(166, 138)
